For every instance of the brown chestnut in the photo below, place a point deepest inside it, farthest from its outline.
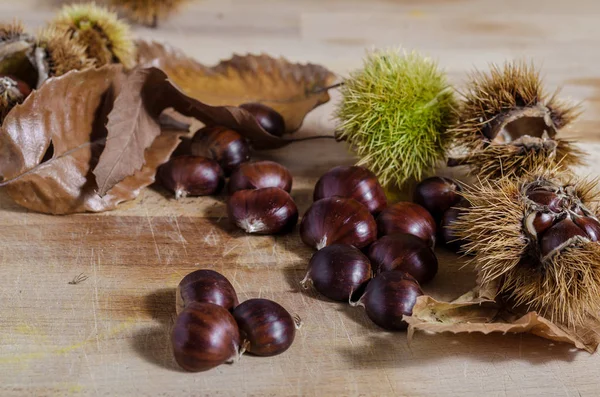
(388, 297)
(590, 225)
(546, 198)
(437, 195)
(406, 217)
(539, 222)
(192, 176)
(337, 220)
(446, 234)
(263, 211)
(224, 145)
(558, 236)
(266, 328)
(406, 253)
(205, 336)
(205, 286)
(353, 182)
(260, 175)
(267, 117)
(336, 271)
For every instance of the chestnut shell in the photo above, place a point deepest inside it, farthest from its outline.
(192, 176)
(266, 328)
(205, 285)
(268, 118)
(204, 336)
(337, 220)
(353, 182)
(260, 175)
(263, 211)
(338, 270)
(406, 217)
(437, 194)
(559, 234)
(406, 253)
(224, 145)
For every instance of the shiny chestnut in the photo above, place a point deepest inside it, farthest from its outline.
(205, 285)
(437, 195)
(260, 175)
(446, 234)
(406, 253)
(337, 220)
(388, 297)
(266, 328)
(204, 336)
(353, 182)
(558, 236)
(263, 211)
(268, 118)
(590, 225)
(337, 270)
(192, 176)
(406, 217)
(224, 145)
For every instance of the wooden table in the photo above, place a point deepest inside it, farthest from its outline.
(109, 335)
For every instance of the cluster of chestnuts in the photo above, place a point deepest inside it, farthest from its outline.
(369, 254)
(259, 199)
(213, 328)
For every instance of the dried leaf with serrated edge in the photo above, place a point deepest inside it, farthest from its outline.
(476, 311)
(292, 89)
(66, 116)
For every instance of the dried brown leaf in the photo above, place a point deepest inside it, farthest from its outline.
(290, 88)
(66, 117)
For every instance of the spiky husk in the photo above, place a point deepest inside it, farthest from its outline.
(564, 287)
(394, 113)
(106, 38)
(10, 96)
(148, 12)
(492, 101)
(63, 53)
(12, 31)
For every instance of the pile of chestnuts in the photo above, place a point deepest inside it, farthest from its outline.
(213, 328)
(260, 202)
(369, 254)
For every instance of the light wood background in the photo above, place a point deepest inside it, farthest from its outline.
(109, 335)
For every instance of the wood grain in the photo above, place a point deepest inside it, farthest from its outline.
(109, 335)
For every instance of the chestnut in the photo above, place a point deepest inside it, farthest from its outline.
(10, 82)
(559, 235)
(437, 195)
(388, 297)
(353, 182)
(590, 225)
(539, 222)
(224, 145)
(266, 328)
(191, 176)
(446, 234)
(263, 211)
(260, 175)
(267, 117)
(204, 336)
(205, 286)
(337, 271)
(406, 217)
(546, 198)
(406, 253)
(337, 220)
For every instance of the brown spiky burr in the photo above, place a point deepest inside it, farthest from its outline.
(62, 53)
(508, 124)
(537, 236)
(148, 12)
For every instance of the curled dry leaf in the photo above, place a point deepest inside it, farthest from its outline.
(292, 89)
(477, 311)
(50, 144)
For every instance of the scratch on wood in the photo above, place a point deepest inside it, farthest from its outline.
(153, 237)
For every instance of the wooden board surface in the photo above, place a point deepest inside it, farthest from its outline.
(109, 335)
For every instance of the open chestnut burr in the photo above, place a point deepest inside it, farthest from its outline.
(338, 220)
(353, 182)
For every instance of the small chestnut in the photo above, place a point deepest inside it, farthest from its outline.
(263, 211)
(406, 217)
(224, 145)
(260, 175)
(337, 220)
(205, 336)
(205, 286)
(192, 176)
(590, 225)
(337, 270)
(388, 297)
(266, 328)
(437, 195)
(406, 253)
(353, 182)
(558, 235)
(267, 117)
